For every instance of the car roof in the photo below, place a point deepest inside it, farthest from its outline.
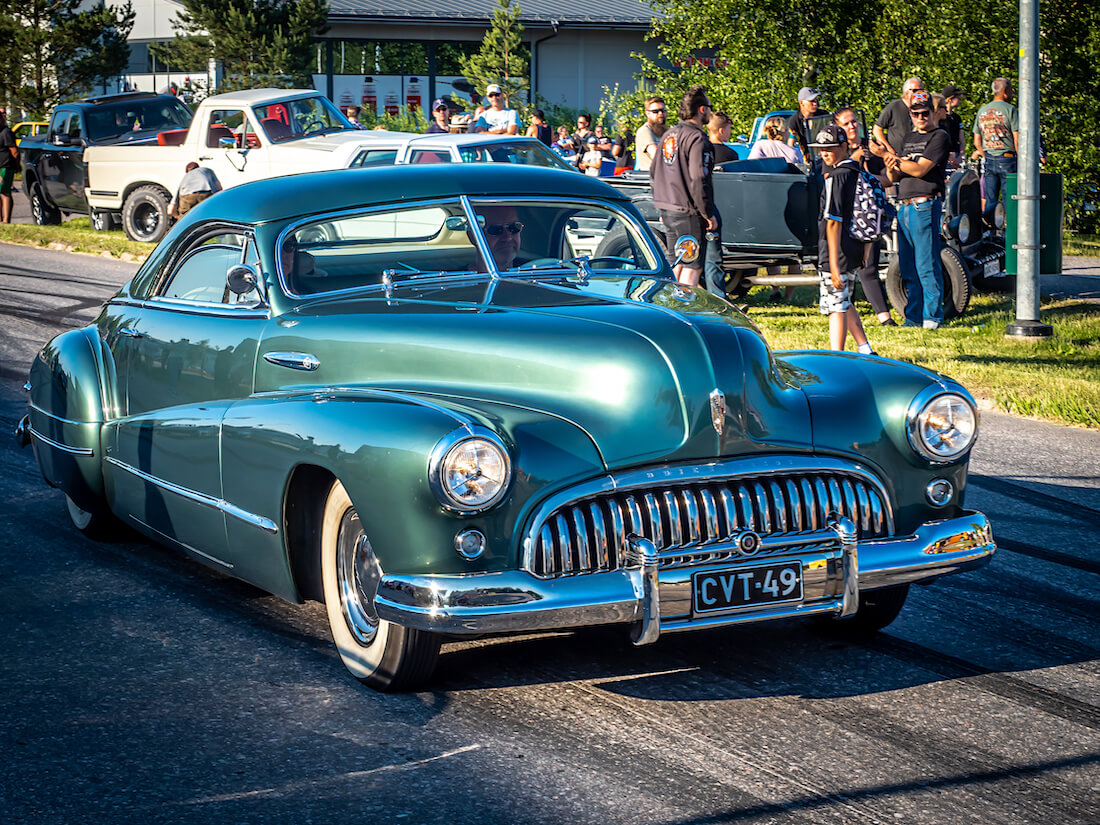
(291, 196)
(251, 97)
(467, 138)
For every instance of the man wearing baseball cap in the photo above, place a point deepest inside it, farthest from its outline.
(797, 128)
(497, 119)
(952, 123)
(919, 170)
(839, 255)
(441, 118)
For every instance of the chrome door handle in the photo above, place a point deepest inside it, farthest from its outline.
(130, 332)
(294, 360)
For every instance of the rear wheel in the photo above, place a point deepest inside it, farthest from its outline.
(98, 523)
(145, 214)
(877, 609)
(41, 212)
(380, 654)
(956, 284)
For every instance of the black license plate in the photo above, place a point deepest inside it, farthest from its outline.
(746, 586)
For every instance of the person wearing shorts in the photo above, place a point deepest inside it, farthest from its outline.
(682, 185)
(839, 254)
(9, 164)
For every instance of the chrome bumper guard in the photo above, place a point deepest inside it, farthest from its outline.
(654, 600)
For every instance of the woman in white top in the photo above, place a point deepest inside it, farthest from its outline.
(774, 143)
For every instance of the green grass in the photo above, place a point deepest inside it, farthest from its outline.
(1077, 244)
(76, 235)
(1057, 380)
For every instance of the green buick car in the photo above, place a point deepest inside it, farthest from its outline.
(426, 401)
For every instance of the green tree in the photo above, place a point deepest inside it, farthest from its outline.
(53, 51)
(261, 43)
(502, 57)
(753, 55)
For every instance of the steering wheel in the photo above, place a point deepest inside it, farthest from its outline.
(308, 126)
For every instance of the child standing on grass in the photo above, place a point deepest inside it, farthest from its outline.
(839, 254)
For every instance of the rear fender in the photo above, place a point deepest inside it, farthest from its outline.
(67, 415)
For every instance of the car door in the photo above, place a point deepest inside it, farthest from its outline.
(50, 172)
(71, 162)
(232, 147)
(188, 353)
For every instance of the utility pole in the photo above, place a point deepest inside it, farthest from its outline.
(1027, 323)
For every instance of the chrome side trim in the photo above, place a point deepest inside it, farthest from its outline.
(295, 360)
(178, 543)
(49, 414)
(512, 600)
(393, 395)
(84, 451)
(226, 507)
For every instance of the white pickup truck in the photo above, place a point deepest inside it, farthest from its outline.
(263, 133)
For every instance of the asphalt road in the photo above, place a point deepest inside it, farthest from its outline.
(137, 686)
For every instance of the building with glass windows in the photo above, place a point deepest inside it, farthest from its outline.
(388, 54)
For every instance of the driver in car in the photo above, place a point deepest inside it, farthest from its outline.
(503, 233)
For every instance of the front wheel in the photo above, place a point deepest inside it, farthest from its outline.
(145, 214)
(877, 609)
(956, 284)
(41, 212)
(380, 654)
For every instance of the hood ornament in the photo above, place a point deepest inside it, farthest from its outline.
(718, 410)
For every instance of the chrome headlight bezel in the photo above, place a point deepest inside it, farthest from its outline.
(945, 402)
(451, 447)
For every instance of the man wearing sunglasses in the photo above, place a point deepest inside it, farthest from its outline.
(649, 135)
(503, 233)
(498, 119)
(919, 169)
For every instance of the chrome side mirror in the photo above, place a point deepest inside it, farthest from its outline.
(241, 279)
(687, 250)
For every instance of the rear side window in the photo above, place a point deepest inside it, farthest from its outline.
(374, 157)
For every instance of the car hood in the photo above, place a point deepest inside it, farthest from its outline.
(632, 362)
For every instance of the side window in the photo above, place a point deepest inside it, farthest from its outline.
(59, 123)
(73, 129)
(200, 276)
(225, 123)
(374, 157)
(429, 156)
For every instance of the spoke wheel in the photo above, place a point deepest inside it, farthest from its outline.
(378, 653)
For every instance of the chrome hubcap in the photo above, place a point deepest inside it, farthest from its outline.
(358, 573)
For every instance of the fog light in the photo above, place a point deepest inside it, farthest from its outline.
(939, 491)
(470, 544)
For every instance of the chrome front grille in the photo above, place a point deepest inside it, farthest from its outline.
(693, 521)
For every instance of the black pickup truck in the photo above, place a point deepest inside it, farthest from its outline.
(54, 172)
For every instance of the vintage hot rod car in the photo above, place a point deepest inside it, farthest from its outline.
(414, 397)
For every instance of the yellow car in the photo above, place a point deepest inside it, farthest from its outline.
(27, 129)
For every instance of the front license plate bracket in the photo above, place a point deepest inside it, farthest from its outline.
(731, 588)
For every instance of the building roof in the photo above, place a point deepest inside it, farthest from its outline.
(618, 14)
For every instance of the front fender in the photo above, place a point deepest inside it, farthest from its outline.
(378, 445)
(67, 414)
(858, 409)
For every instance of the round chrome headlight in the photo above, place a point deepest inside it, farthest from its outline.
(942, 427)
(964, 229)
(469, 470)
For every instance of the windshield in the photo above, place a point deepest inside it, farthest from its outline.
(525, 237)
(157, 114)
(307, 117)
(528, 152)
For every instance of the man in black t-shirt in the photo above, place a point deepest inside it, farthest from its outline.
(797, 129)
(919, 170)
(9, 165)
(952, 122)
(839, 254)
(893, 122)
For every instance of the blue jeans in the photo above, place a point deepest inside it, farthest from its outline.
(994, 176)
(712, 266)
(919, 260)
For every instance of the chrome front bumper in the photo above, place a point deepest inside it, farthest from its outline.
(659, 601)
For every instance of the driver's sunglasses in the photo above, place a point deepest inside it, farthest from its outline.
(921, 115)
(656, 111)
(515, 227)
(494, 94)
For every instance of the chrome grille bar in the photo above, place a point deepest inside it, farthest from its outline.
(589, 533)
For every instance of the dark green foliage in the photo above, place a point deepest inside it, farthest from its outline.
(53, 51)
(264, 43)
(859, 52)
